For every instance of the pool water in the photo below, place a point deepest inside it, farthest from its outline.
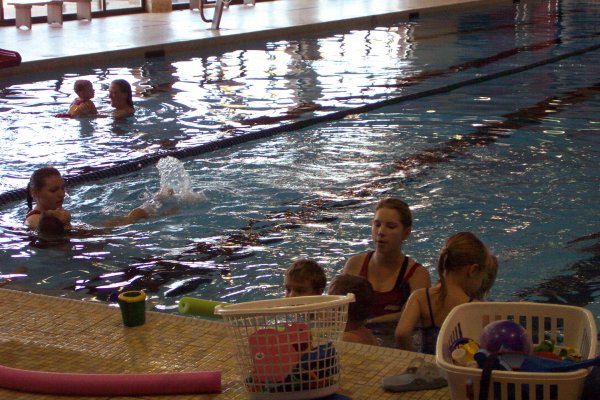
(513, 159)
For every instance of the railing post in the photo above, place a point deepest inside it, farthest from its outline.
(217, 15)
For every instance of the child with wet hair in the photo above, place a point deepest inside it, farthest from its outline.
(462, 267)
(359, 311)
(83, 104)
(304, 277)
(54, 223)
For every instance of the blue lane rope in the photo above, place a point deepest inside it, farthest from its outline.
(141, 162)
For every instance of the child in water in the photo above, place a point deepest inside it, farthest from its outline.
(463, 265)
(359, 311)
(146, 210)
(83, 104)
(304, 278)
(54, 222)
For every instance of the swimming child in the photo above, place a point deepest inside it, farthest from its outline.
(121, 98)
(175, 187)
(462, 266)
(304, 277)
(148, 209)
(47, 187)
(393, 275)
(83, 105)
(359, 311)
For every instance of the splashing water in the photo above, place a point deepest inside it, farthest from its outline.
(175, 187)
(175, 181)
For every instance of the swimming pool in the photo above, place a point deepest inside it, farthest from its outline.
(513, 159)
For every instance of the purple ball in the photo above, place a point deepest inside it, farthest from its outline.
(505, 336)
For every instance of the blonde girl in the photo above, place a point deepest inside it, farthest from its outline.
(462, 266)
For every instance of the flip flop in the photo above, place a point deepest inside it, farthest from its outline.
(419, 375)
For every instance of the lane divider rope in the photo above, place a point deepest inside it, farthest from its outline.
(141, 162)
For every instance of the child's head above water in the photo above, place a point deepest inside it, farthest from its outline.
(84, 89)
(304, 278)
(51, 225)
(360, 309)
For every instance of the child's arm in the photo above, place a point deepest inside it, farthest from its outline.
(392, 317)
(410, 318)
(134, 215)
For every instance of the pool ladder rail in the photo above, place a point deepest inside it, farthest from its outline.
(220, 5)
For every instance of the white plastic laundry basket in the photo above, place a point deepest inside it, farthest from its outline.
(286, 348)
(566, 325)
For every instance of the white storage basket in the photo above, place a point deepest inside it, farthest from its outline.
(286, 348)
(566, 325)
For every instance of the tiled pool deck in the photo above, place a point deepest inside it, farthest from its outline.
(45, 333)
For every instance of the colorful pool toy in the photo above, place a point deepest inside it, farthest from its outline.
(76, 384)
(198, 307)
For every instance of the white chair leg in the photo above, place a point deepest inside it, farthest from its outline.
(55, 13)
(84, 10)
(23, 16)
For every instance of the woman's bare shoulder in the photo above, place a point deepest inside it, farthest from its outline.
(354, 264)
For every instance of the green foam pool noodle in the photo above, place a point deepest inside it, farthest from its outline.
(198, 307)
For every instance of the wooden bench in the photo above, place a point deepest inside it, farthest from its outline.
(55, 10)
(23, 11)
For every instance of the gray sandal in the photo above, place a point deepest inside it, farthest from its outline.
(419, 375)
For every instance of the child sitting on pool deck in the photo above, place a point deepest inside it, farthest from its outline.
(359, 311)
(462, 267)
(304, 278)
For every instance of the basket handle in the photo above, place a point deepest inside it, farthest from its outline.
(486, 376)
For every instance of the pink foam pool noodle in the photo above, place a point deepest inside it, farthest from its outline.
(76, 384)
